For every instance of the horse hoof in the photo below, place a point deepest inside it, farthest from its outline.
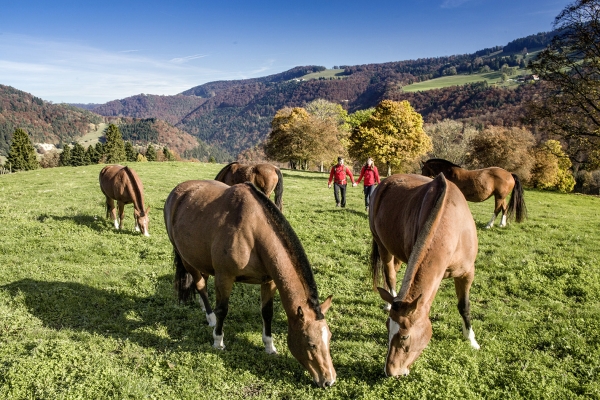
(219, 346)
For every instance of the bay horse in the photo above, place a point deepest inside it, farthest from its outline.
(237, 234)
(266, 177)
(428, 225)
(481, 184)
(123, 185)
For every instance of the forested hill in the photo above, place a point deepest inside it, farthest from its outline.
(235, 115)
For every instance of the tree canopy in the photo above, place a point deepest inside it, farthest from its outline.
(114, 148)
(392, 135)
(21, 154)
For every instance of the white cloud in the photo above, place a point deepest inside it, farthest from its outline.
(186, 59)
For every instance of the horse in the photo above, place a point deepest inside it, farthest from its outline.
(428, 225)
(480, 184)
(123, 185)
(236, 234)
(266, 177)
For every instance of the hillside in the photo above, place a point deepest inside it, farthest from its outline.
(236, 115)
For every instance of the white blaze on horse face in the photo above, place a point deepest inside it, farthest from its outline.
(218, 341)
(394, 328)
(325, 336)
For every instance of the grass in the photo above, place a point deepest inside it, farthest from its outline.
(493, 78)
(92, 137)
(89, 312)
(328, 73)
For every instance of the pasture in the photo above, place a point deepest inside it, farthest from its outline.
(90, 312)
(493, 78)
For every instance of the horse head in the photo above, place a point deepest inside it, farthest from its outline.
(141, 219)
(427, 170)
(409, 332)
(308, 341)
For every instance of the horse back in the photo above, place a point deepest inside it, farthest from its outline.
(115, 183)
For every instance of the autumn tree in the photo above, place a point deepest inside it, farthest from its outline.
(21, 154)
(508, 148)
(114, 148)
(552, 168)
(393, 135)
(570, 67)
(329, 117)
(450, 140)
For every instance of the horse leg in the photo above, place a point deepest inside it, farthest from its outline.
(203, 300)
(110, 211)
(497, 208)
(390, 269)
(267, 291)
(501, 206)
(462, 285)
(121, 206)
(223, 287)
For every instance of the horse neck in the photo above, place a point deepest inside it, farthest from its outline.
(137, 195)
(425, 267)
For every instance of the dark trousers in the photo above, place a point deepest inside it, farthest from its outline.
(368, 191)
(337, 188)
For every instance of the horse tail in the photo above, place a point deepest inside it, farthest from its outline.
(279, 190)
(376, 265)
(516, 205)
(183, 279)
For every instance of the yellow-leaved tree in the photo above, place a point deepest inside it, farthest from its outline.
(552, 168)
(392, 135)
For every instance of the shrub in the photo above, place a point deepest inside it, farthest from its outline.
(588, 182)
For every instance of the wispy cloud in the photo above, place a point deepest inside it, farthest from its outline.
(453, 3)
(186, 59)
(128, 51)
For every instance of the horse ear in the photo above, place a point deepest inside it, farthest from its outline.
(326, 304)
(300, 313)
(412, 306)
(385, 295)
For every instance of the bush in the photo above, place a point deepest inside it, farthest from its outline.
(588, 182)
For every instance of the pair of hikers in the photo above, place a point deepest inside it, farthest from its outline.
(338, 176)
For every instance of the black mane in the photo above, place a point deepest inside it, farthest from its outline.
(297, 253)
(442, 161)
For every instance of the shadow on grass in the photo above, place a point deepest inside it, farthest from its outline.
(340, 210)
(95, 223)
(110, 313)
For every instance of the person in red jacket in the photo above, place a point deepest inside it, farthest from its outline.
(338, 176)
(371, 175)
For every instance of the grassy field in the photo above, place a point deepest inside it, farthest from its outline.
(91, 138)
(89, 312)
(458, 80)
(328, 73)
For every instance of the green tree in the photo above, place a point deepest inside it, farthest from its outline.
(151, 153)
(65, 156)
(114, 148)
(168, 154)
(92, 154)
(130, 152)
(21, 154)
(570, 66)
(100, 150)
(78, 156)
(392, 135)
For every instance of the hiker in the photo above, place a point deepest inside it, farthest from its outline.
(371, 175)
(338, 176)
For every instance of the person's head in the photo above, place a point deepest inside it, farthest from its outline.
(369, 162)
(340, 160)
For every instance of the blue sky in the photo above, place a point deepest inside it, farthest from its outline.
(93, 52)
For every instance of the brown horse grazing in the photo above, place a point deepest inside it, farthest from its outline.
(480, 184)
(123, 185)
(266, 177)
(238, 235)
(428, 225)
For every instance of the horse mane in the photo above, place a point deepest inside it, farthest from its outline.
(138, 195)
(442, 161)
(292, 243)
(424, 236)
(224, 170)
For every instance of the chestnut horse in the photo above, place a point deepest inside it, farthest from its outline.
(266, 177)
(428, 225)
(238, 235)
(123, 185)
(480, 184)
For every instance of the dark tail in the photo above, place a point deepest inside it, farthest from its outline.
(376, 265)
(279, 190)
(183, 280)
(516, 206)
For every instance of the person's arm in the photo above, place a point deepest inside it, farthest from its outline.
(362, 173)
(348, 172)
(330, 177)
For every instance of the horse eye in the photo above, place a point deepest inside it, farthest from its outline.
(404, 337)
(312, 346)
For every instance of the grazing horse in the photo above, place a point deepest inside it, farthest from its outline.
(266, 177)
(428, 225)
(123, 185)
(480, 184)
(238, 235)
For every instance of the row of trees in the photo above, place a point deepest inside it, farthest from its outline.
(23, 157)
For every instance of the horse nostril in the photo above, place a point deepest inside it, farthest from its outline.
(327, 384)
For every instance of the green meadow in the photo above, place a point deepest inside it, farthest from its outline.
(492, 78)
(88, 312)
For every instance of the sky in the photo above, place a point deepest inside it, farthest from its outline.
(94, 52)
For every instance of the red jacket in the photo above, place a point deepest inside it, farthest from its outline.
(371, 175)
(338, 174)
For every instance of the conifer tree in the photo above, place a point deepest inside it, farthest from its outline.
(78, 156)
(168, 154)
(114, 148)
(130, 152)
(21, 155)
(92, 154)
(151, 153)
(65, 156)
